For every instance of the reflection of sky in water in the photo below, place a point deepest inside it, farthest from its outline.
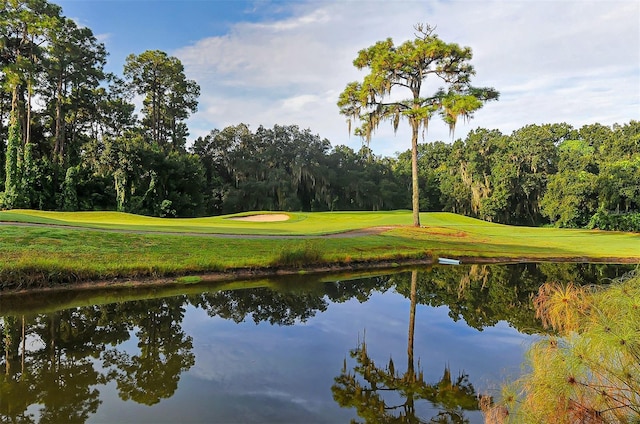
(268, 373)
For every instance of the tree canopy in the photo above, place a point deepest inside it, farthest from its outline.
(169, 96)
(406, 67)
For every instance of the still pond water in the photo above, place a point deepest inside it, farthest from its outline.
(399, 346)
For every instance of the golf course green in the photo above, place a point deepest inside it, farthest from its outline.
(49, 249)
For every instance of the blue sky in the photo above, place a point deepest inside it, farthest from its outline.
(285, 62)
(133, 26)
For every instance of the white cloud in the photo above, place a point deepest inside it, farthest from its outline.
(562, 61)
(103, 38)
(303, 21)
(299, 103)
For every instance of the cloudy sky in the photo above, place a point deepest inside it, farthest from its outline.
(266, 62)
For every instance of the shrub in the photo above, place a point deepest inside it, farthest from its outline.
(615, 222)
(588, 372)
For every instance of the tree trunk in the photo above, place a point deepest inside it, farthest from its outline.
(120, 182)
(13, 155)
(412, 324)
(7, 345)
(27, 129)
(415, 190)
(411, 372)
(14, 104)
(24, 345)
(59, 131)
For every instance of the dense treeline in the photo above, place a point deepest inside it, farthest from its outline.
(285, 168)
(69, 136)
(539, 174)
(70, 139)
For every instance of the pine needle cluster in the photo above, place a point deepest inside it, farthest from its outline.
(589, 371)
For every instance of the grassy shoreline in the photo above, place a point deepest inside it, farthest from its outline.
(113, 247)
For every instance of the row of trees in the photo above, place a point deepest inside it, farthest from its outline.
(70, 140)
(65, 121)
(538, 174)
(285, 168)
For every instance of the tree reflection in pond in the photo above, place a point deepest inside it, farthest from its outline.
(17, 388)
(372, 401)
(367, 388)
(262, 305)
(165, 351)
(59, 370)
(56, 366)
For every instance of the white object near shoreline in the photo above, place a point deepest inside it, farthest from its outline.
(447, 261)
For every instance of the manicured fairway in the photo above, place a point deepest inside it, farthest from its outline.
(299, 223)
(136, 247)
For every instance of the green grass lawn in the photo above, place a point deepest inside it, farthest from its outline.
(43, 255)
(299, 223)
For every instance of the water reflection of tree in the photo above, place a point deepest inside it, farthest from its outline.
(60, 368)
(65, 365)
(261, 304)
(287, 303)
(17, 388)
(56, 374)
(365, 387)
(361, 289)
(165, 351)
(483, 295)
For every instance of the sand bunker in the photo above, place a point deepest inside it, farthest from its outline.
(270, 217)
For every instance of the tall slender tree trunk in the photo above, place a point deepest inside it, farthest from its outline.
(415, 189)
(411, 371)
(13, 158)
(120, 182)
(7, 345)
(15, 91)
(3, 147)
(59, 135)
(27, 129)
(412, 322)
(24, 346)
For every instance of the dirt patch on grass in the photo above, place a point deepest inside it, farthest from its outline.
(265, 217)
